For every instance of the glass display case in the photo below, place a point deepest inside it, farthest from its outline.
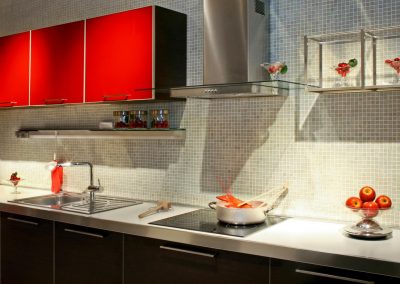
(337, 61)
(383, 58)
(365, 60)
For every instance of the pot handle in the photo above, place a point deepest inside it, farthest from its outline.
(213, 205)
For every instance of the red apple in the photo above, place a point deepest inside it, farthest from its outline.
(354, 202)
(370, 209)
(383, 201)
(367, 193)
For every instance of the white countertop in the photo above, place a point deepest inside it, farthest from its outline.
(301, 234)
(327, 237)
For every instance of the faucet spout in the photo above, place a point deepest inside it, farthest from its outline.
(72, 164)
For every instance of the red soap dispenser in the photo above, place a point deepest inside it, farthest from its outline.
(56, 179)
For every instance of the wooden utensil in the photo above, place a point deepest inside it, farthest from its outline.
(273, 192)
(161, 205)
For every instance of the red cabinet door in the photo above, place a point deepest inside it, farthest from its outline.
(14, 70)
(119, 56)
(57, 64)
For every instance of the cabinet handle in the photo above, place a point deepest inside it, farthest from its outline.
(7, 104)
(353, 280)
(54, 101)
(122, 97)
(23, 221)
(84, 233)
(210, 255)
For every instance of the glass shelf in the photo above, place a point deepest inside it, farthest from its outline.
(238, 90)
(344, 90)
(157, 134)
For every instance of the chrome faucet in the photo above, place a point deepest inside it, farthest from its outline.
(91, 188)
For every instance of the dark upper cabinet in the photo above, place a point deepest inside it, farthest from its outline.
(85, 255)
(153, 261)
(57, 64)
(134, 50)
(283, 271)
(14, 70)
(26, 250)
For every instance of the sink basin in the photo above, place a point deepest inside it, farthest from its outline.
(78, 203)
(55, 201)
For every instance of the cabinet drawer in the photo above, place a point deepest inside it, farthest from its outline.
(86, 255)
(283, 271)
(177, 263)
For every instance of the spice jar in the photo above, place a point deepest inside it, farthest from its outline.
(138, 119)
(159, 118)
(121, 119)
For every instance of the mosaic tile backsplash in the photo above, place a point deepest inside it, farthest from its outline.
(324, 147)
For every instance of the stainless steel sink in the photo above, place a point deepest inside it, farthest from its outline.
(55, 201)
(100, 204)
(76, 202)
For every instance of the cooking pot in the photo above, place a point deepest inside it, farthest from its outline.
(241, 216)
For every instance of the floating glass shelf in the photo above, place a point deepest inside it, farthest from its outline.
(344, 90)
(159, 134)
(238, 90)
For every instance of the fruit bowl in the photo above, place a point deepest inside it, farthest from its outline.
(368, 213)
(368, 228)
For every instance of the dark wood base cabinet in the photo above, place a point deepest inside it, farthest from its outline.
(285, 272)
(155, 261)
(87, 256)
(26, 250)
(40, 251)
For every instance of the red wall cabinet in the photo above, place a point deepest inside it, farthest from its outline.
(57, 64)
(128, 55)
(135, 50)
(14, 70)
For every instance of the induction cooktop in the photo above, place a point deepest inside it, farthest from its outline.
(205, 220)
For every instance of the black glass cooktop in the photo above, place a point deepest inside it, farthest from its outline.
(205, 220)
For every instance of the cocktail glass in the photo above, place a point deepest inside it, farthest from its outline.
(342, 79)
(15, 183)
(396, 66)
(275, 69)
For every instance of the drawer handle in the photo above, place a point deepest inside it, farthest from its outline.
(23, 221)
(122, 97)
(7, 104)
(84, 233)
(334, 276)
(210, 255)
(54, 101)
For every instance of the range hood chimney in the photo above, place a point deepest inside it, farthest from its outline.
(234, 41)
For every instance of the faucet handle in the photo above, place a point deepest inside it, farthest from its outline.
(101, 188)
(98, 188)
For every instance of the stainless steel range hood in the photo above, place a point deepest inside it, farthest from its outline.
(234, 40)
(235, 36)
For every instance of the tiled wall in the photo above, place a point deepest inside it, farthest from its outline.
(324, 147)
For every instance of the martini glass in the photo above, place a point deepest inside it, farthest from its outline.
(15, 184)
(396, 67)
(342, 79)
(275, 69)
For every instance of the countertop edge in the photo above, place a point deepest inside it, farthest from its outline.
(367, 265)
